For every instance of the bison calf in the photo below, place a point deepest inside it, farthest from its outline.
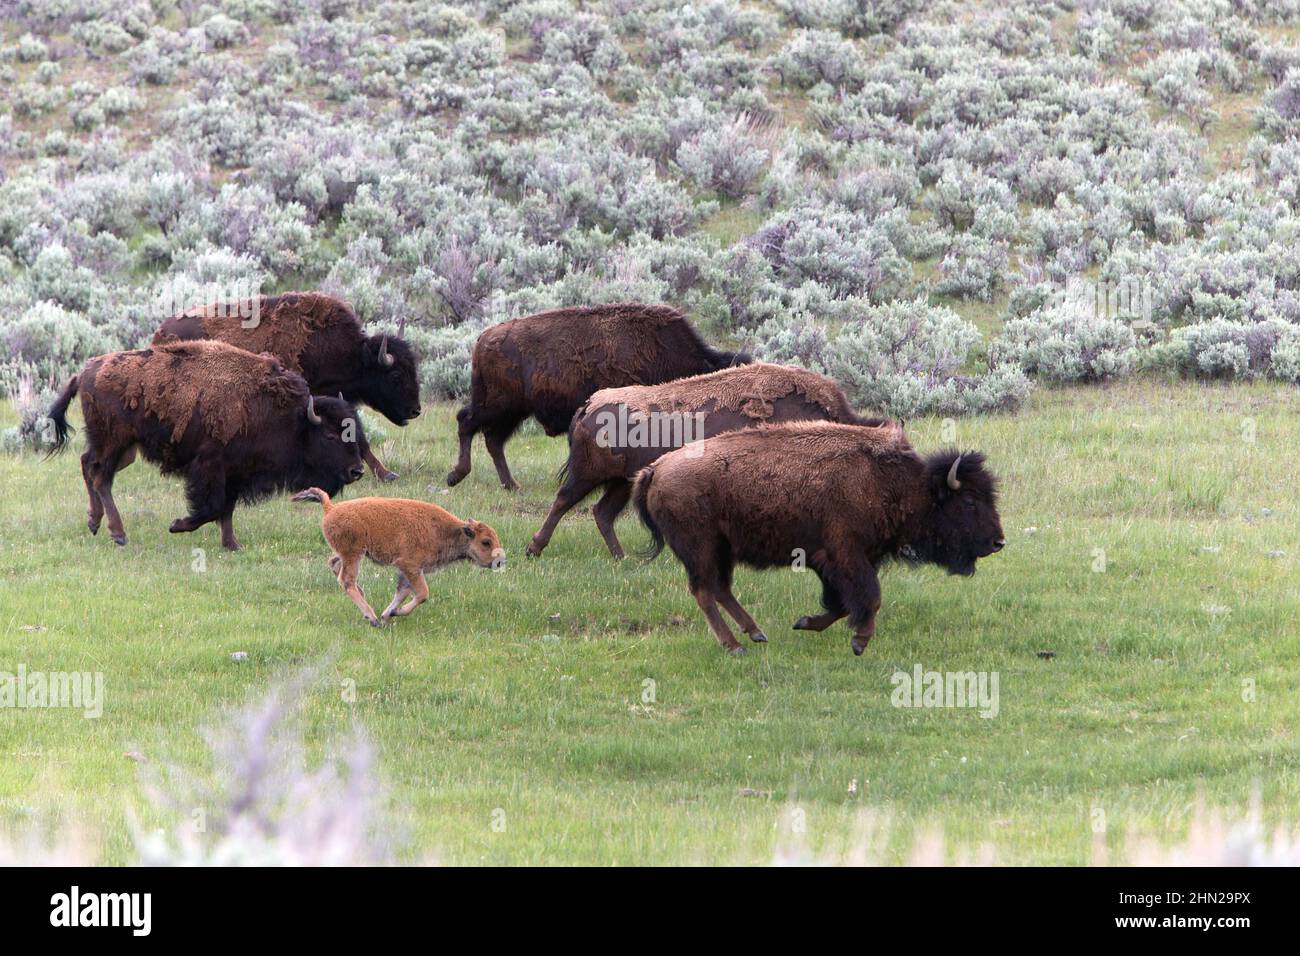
(844, 497)
(413, 536)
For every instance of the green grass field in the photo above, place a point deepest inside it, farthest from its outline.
(1173, 676)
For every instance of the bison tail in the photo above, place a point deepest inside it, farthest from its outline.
(640, 492)
(59, 414)
(314, 494)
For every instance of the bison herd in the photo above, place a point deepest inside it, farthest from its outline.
(726, 460)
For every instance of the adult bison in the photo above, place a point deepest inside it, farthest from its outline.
(320, 338)
(235, 425)
(547, 365)
(842, 497)
(621, 430)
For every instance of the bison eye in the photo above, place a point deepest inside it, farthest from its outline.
(487, 543)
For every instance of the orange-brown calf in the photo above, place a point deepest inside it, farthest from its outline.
(412, 536)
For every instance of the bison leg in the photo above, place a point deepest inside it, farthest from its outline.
(403, 589)
(378, 467)
(834, 609)
(709, 605)
(495, 437)
(102, 485)
(419, 589)
(467, 427)
(818, 622)
(707, 559)
(228, 540)
(348, 578)
(571, 492)
(741, 616)
(607, 510)
(863, 601)
(206, 491)
(95, 513)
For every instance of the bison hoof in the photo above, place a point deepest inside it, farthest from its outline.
(388, 476)
(803, 624)
(510, 485)
(758, 637)
(119, 540)
(93, 526)
(455, 477)
(737, 651)
(375, 622)
(858, 647)
(231, 546)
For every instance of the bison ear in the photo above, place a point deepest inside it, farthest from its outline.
(469, 530)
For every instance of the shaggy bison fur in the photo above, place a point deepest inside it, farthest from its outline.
(235, 425)
(621, 430)
(319, 337)
(845, 498)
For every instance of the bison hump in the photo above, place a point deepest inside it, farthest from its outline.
(749, 390)
(281, 325)
(226, 387)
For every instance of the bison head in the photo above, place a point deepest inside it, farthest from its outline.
(330, 456)
(482, 545)
(964, 525)
(388, 378)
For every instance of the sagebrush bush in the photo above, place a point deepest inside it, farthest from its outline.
(1068, 342)
(814, 57)
(1228, 350)
(906, 359)
(726, 160)
(774, 171)
(50, 340)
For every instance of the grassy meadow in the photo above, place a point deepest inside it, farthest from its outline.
(1153, 547)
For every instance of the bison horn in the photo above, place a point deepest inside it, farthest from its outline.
(384, 357)
(953, 483)
(311, 410)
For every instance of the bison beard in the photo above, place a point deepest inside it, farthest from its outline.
(843, 497)
(547, 365)
(319, 337)
(733, 398)
(236, 426)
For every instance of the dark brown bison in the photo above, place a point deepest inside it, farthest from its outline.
(320, 338)
(621, 430)
(843, 498)
(235, 425)
(547, 365)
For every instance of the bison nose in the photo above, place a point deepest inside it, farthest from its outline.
(355, 472)
(999, 544)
